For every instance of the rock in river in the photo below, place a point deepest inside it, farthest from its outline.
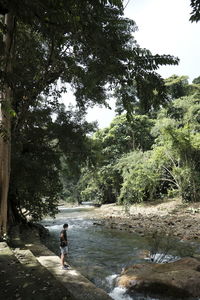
(179, 279)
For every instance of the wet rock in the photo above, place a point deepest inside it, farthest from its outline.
(175, 279)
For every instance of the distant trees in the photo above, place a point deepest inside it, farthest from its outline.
(148, 158)
(178, 141)
(101, 178)
(177, 86)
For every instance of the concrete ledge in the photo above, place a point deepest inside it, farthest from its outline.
(79, 286)
(76, 284)
(22, 277)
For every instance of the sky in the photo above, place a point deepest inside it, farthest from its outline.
(163, 28)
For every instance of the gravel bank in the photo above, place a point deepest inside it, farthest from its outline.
(170, 217)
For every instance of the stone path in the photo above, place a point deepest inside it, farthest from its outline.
(25, 278)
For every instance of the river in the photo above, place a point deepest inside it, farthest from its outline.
(97, 252)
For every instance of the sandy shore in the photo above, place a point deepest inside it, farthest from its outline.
(170, 217)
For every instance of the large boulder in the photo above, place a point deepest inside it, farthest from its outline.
(180, 279)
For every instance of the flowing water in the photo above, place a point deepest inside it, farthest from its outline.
(97, 252)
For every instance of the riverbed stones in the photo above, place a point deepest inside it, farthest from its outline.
(180, 226)
(180, 279)
(172, 216)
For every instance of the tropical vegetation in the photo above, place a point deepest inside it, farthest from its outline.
(49, 152)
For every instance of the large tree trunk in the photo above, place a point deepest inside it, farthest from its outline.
(5, 123)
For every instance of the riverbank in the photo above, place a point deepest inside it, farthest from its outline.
(171, 217)
(21, 275)
(29, 270)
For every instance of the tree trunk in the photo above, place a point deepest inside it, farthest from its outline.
(5, 123)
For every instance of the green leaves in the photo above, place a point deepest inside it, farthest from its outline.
(178, 133)
(139, 177)
(145, 159)
(195, 14)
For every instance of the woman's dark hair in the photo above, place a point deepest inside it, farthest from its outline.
(65, 225)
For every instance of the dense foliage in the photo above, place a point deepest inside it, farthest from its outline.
(149, 158)
(38, 145)
(45, 46)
